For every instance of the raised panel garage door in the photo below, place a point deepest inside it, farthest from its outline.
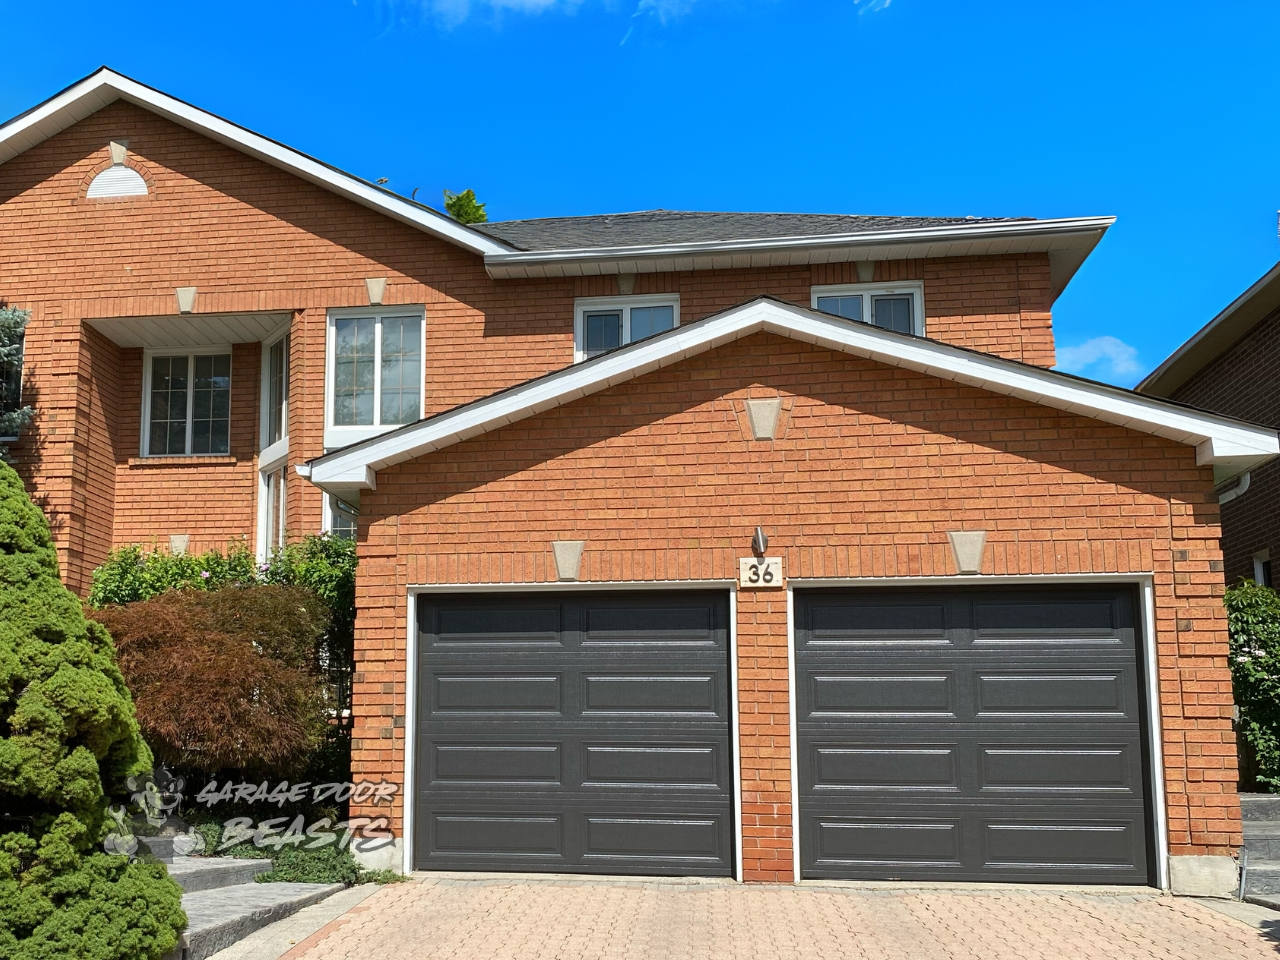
(971, 734)
(574, 733)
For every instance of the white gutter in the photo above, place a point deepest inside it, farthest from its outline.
(1239, 490)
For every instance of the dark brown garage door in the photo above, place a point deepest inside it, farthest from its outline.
(967, 734)
(584, 733)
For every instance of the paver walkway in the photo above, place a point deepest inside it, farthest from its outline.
(506, 919)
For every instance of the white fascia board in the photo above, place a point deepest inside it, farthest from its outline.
(1018, 236)
(105, 86)
(1218, 440)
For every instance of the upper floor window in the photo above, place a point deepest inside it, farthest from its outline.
(186, 404)
(606, 323)
(277, 391)
(375, 369)
(898, 307)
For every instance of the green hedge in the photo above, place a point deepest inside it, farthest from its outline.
(1253, 621)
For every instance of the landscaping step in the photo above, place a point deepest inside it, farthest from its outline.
(211, 873)
(1262, 848)
(1260, 806)
(219, 917)
(1262, 878)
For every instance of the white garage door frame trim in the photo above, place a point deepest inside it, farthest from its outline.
(411, 685)
(1145, 584)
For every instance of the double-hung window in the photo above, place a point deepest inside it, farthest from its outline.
(375, 372)
(898, 307)
(186, 404)
(602, 324)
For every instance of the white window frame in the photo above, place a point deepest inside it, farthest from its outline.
(326, 524)
(1259, 559)
(341, 436)
(584, 305)
(280, 449)
(265, 512)
(144, 441)
(868, 290)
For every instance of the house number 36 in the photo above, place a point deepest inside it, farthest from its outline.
(760, 573)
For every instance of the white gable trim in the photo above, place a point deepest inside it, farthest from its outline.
(1230, 445)
(106, 86)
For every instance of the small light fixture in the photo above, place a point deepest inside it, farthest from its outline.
(759, 543)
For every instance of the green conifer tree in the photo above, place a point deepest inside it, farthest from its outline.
(463, 207)
(68, 739)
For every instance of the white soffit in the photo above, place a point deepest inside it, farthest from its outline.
(1066, 241)
(1230, 445)
(189, 330)
(105, 86)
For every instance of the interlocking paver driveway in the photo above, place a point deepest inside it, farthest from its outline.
(495, 919)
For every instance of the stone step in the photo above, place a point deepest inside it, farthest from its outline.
(1272, 903)
(1261, 829)
(222, 916)
(1260, 806)
(1263, 849)
(1262, 878)
(211, 873)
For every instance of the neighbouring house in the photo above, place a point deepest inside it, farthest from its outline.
(752, 545)
(1230, 366)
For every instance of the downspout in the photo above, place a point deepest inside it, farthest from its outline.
(1242, 485)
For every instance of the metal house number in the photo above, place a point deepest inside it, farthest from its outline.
(760, 573)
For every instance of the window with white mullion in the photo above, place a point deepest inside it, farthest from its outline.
(898, 307)
(377, 370)
(188, 405)
(607, 323)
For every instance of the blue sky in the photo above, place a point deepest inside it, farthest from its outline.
(1161, 113)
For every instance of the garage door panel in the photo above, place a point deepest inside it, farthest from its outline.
(641, 837)
(497, 694)
(985, 756)
(626, 624)
(617, 733)
(671, 694)
(1063, 844)
(654, 765)
(467, 833)
(1097, 768)
(492, 763)
(862, 846)
(878, 621)
(514, 627)
(881, 766)
(874, 694)
(1058, 693)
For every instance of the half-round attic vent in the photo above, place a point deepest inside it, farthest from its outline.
(117, 181)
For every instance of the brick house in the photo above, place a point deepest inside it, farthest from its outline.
(1229, 366)
(764, 546)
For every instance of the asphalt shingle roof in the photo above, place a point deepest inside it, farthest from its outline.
(649, 227)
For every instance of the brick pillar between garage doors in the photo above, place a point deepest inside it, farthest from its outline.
(764, 728)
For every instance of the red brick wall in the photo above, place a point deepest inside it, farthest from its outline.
(871, 467)
(253, 238)
(1245, 382)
